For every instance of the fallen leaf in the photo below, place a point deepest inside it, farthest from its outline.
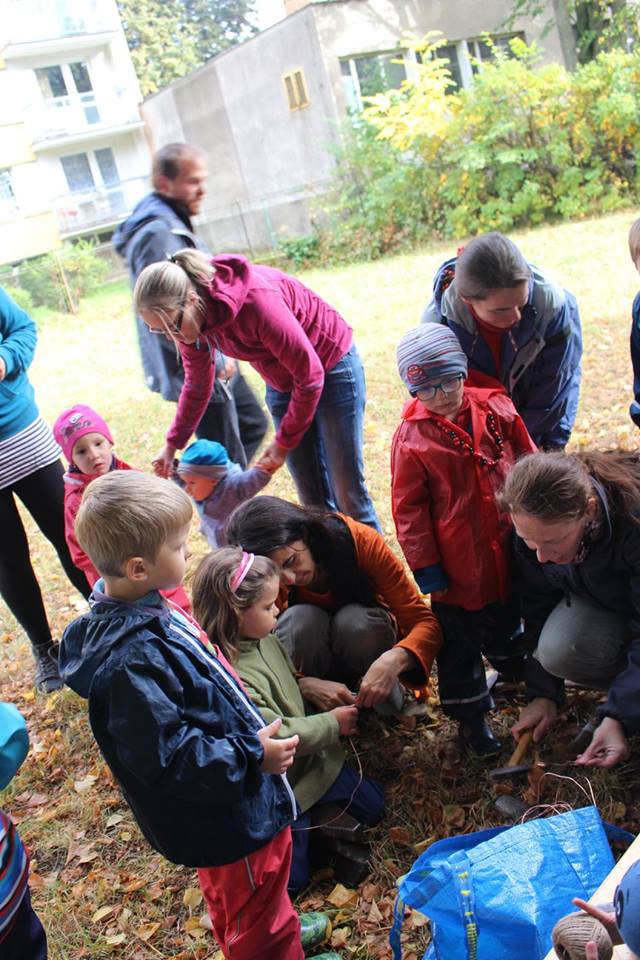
(454, 816)
(192, 898)
(340, 936)
(147, 930)
(374, 915)
(422, 845)
(101, 914)
(400, 835)
(114, 819)
(37, 800)
(417, 919)
(116, 939)
(205, 921)
(341, 897)
(83, 786)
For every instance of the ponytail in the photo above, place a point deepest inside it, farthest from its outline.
(164, 286)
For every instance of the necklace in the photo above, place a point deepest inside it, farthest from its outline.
(459, 439)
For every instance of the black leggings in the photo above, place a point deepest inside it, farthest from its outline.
(42, 493)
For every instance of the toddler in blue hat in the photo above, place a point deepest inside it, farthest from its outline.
(217, 485)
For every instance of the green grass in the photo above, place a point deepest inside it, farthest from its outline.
(93, 358)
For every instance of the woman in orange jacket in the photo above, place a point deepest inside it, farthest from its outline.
(349, 614)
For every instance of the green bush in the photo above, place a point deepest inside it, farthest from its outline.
(22, 297)
(74, 271)
(301, 251)
(525, 145)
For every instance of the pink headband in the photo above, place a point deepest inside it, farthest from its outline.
(245, 565)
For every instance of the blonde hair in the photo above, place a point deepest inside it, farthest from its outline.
(634, 240)
(217, 607)
(164, 286)
(127, 514)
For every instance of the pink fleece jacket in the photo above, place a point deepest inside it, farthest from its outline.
(284, 330)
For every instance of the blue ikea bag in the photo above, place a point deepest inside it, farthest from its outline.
(497, 894)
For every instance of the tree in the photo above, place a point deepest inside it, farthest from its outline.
(169, 38)
(586, 27)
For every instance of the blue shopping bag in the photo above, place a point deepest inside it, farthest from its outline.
(497, 894)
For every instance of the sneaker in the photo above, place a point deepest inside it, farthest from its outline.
(315, 928)
(48, 676)
(477, 737)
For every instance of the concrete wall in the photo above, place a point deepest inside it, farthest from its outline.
(265, 160)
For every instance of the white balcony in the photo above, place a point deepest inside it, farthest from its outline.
(81, 116)
(88, 210)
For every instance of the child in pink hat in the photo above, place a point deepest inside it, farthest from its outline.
(87, 444)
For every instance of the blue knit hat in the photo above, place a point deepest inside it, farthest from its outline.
(204, 458)
(430, 352)
(627, 904)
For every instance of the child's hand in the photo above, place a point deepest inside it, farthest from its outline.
(347, 718)
(278, 754)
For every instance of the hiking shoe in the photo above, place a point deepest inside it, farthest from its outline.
(477, 737)
(48, 676)
(315, 928)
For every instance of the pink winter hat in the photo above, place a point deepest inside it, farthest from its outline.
(76, 422)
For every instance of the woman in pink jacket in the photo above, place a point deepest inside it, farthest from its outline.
(301, 347)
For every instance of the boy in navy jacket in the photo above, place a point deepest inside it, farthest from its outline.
(202, 773)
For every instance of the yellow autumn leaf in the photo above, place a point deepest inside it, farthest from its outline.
(101, 913)
(147, 930)
(340, 896)
(192, 898)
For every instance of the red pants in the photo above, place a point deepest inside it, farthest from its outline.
(252, 915)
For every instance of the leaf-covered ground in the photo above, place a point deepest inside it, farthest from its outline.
(101, 891)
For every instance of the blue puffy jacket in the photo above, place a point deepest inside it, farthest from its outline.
(177, 731)
(17, 345)
(541, 355)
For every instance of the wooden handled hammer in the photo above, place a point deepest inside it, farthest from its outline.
(514, 765)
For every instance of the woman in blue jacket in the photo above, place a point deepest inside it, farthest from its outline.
(515, 326)
(30, 469)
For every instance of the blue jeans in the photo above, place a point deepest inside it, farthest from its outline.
(367, 806)
(327, 466)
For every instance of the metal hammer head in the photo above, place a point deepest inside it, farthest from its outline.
(503, 773)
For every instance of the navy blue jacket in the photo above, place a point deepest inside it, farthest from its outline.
(152, 232)
(177, 732)
(608, 577)
(540, 363)
(634, 409)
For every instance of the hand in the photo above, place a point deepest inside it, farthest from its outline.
(272, 458)
(163, 463)
(608, 746)
(326, 694)
(606, 918)
(278, 754)
(230, 368)
(380, 678)
(3, 369)
(540, 715)
(347, 718)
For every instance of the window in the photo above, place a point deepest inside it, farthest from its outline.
(107, 166)
(8, 205)
(296, 90)
(375, 73)
(51, 82)
(480, 50)
(78, 173)
(71, 81)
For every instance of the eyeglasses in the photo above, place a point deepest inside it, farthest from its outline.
(174, 327)
(447, 387)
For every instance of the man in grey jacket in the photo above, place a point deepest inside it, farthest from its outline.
(159, 225)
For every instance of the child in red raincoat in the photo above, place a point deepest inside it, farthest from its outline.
(449, 457)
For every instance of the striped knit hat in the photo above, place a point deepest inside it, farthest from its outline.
(204, 458)
(430, 352)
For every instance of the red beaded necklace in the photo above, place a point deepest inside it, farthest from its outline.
(459, 439)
